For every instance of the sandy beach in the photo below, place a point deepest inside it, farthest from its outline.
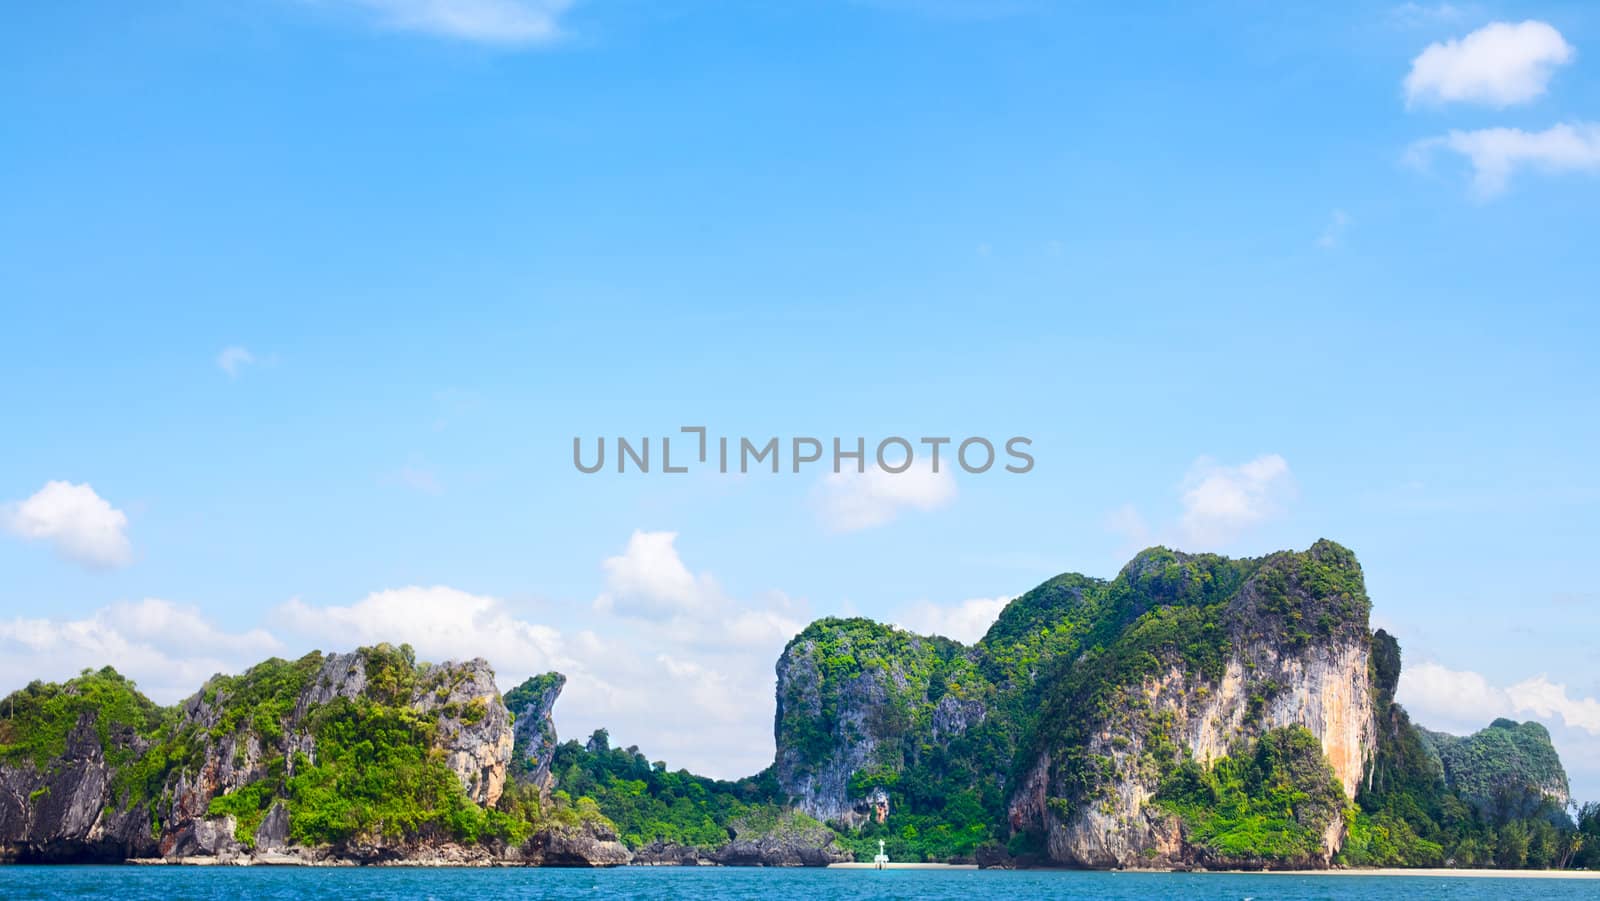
(903, 866)
(1425, 873)
(1453, 873)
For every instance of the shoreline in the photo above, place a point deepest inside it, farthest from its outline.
(289, 860)
(1431, 872)
(905, 865)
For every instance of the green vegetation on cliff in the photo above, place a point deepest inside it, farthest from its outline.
(364, 760)
(36, 721)
(1081, 688)
(1494, 798)
(1271, 801)
(649, 803)
(1066, 675)
(377, 773)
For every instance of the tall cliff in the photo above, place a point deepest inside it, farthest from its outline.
(1067, 721)
(857, 701)
(532, 704)
(366, 756)
(1210, 656)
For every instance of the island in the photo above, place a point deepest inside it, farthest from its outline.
(1194, 712)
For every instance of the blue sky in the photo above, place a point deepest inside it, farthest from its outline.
(303, 303)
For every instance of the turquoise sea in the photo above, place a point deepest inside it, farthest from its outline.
(26, 883)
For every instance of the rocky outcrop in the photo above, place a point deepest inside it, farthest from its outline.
(1506, 771)
(1085, 695)
(588, 845)
(251, 732)
(1274, 674)
(670, 854)
(532, 703)
(272, 836)
(759, 839)
(474, 726)
(204, 837)
(789, 840)
(59, 813)
(856, 696)
(1322, 689)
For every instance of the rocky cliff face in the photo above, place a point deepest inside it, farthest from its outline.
(59, 811)
(93, 771)
(852, 697)
(471, 730)
(1086, 696)
(532, 703)
(1289, 648)
(1118, 825)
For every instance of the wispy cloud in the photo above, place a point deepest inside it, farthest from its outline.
(420, 479)
(966, 621)
(1220, 502)
(1496, 154)
(850, 501)
(1462, 699)
(1499, 65)
(1217, 504)
(1418, 15)
(1333, 234)
(234, 359)
(169, 649)
(958, 10)
(507, 22)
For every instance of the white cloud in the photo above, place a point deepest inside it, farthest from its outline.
(482, 21)
(691, 683)
(1549, 700)
(1333, 234)
(1220, 502)
(648, 580)
(443, 622)
(1497, 153)
(234, 359)
(665, 661)
(168, 649)
(1463, 701)
(1127, 522)
(966, 622)
(420, 479)
(79, 524)
(1500, 65)
(849, 501)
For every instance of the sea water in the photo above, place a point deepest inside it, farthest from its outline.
(25, 883)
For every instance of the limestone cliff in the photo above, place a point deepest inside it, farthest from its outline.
(368, 756)
(1289, 648)
(59, 811)
(533, 703)
(1067, 718)
(855, 701)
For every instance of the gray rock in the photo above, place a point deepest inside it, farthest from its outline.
(273, 833)
(533, 704)
(667, 854)
(66, 812)
(588, 845)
